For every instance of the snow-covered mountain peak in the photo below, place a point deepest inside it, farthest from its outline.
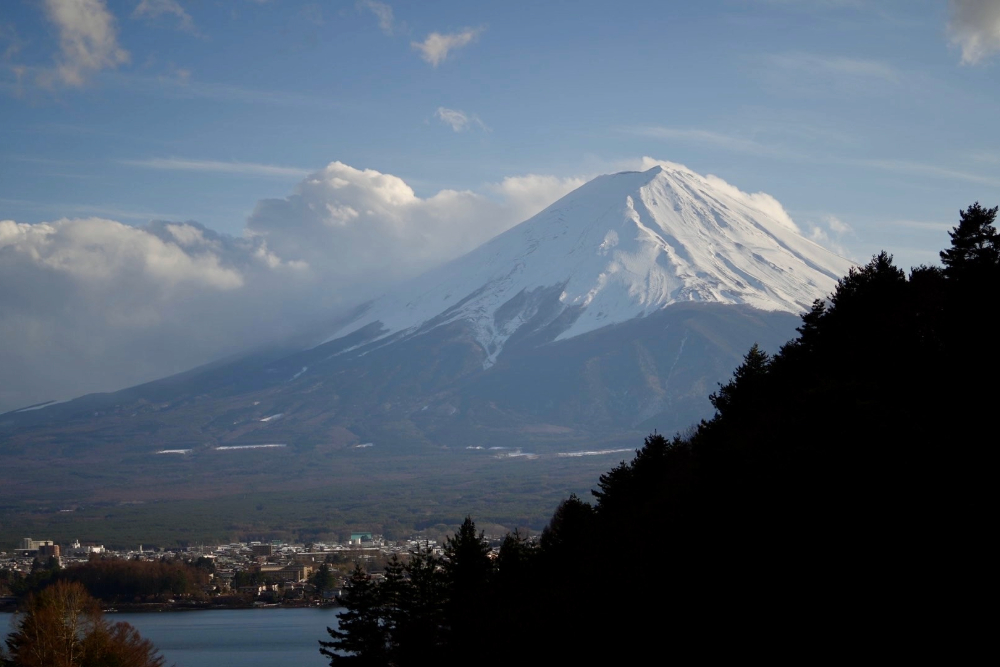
(621, 246)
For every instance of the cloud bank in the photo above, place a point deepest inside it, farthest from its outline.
(92, 304)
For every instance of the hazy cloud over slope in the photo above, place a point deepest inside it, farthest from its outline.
(96, 305)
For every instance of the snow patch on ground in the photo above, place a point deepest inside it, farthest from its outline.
(234, 447)
(596, 452)
(516, 454)
(41, 406)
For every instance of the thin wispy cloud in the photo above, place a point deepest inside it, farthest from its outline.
(839, 66)
(837, 77)
(220, 167)
(436, 47)
(922, 224)
(986, 156)
(88, 40)
(698, 136)
(10, 43)
(714, 139)
(79, 130)
(838, 226)
(974, 26)
(459, 120)
(741, 145)
(818, 4)
(76, 210)
(34, 159)
(829, 232)
(183, 86)
(382, 12)
(178, 74)
(151, 10)
(923, 169)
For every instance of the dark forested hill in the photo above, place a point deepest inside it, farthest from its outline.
(838, 504)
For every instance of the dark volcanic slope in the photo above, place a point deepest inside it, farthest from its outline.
(419, 394)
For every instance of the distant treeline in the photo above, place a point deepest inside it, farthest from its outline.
(115, 580)
(839, 504)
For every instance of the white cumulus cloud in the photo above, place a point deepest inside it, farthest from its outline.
(88, 39)
(435, 48)
(531, 193)
(974, 25)
(366, 228)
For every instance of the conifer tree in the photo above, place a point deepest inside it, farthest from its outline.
(467, 561)
(419, 624)
(323, 579)
(467, 571)
(571, 523)
(735, 395)
(975, 245)
(361, 637)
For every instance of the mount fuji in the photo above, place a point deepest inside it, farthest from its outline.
(620, 247)
(615, 311)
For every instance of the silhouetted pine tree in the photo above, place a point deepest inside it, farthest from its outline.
(361, 638)
(467, 569)
(418, 622)
(975, 246)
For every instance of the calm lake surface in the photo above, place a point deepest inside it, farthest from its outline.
(239, 637)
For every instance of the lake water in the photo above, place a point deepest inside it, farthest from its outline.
(240, 637)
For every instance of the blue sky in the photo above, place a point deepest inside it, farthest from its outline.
(873, 123)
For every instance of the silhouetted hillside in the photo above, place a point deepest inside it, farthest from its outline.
(837, 502)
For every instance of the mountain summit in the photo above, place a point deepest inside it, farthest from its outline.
(619, 247)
